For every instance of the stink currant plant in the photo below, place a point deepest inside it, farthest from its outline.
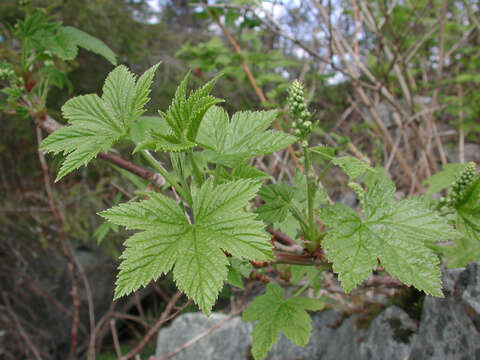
(205, 230)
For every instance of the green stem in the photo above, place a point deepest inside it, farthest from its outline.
(298, 216)
(310, 194)
(149, 157)
(24, 57)
(324, 171)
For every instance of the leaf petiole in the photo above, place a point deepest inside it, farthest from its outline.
(149, 157)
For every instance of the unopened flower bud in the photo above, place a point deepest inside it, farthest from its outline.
(307, 124)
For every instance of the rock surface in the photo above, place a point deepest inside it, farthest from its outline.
(230, 341)
(390, 336)
(449, 329)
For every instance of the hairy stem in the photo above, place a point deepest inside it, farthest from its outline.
(310, 194)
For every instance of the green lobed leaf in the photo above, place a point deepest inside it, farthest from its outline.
(275, 314)
(245, 171)
(194, 251)
(244, 136)
(64, 41)
(88, 42)
(397, 234)
(277, 198)
(97, 123)
(314, 278)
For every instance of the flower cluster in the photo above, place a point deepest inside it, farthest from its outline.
(459, 188)
(301, 116)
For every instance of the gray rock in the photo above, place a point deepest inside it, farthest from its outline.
(390, 336)
(233, 339)
(230, 341)
(449, 327)
(386, 111)
(345, 342)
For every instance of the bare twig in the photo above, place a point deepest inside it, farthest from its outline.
(166, 316)
(282, 237)
(461, 132)
(132, 318)
(20, 329)
(250, 76)
(91, 310)
(116, 343)
(282, 257)
(438, 77)
(64, 245)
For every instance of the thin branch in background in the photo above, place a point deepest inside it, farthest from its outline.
(438, 77)
(139, 307)
(65, 248)
(166, 316)
(355, 28)
(116, 343)
(132, 318)
(20, 328)
(461, 131)
(101, 328)
(91, 310)
(343, 49)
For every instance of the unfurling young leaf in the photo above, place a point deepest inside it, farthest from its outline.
(192, 247)
(275, 314)
(183, 118)
(396, 233)
(97, 123)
